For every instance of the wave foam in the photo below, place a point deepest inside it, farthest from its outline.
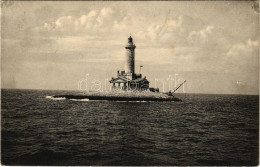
(79, 99)
(55, 98)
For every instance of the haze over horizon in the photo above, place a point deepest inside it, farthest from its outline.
(54, 45)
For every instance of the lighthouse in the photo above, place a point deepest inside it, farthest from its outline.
(130, 57)
(128, 79)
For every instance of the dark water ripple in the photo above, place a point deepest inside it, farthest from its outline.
(202, 130)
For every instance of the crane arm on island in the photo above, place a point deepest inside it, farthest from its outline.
(177, 87)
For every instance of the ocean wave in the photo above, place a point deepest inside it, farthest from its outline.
(55, 98)
(79, 99)
(129, 101)
(40, 157)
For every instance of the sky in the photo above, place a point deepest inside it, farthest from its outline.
(214, 46)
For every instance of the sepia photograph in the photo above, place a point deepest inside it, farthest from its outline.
(130, 83)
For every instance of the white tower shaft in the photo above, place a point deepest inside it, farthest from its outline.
(130, 56)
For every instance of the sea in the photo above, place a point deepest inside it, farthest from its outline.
(203, 129)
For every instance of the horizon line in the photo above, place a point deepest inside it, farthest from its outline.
(160, 92)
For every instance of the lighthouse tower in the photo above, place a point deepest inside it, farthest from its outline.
(130, 57)
(128, 79)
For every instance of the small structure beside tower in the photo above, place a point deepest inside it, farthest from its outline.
(128, 79)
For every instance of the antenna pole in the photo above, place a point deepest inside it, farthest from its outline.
(140, 69)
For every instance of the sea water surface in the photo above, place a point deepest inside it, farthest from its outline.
(201, 130)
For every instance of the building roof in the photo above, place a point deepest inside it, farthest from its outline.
(124, 80)
(118, 80)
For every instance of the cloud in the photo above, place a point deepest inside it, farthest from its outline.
(95, 20)
(240, 55)
(123, 24)
(162, 31)
(183, 30)
(243, 49)
(184, 40)
(202, 34)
